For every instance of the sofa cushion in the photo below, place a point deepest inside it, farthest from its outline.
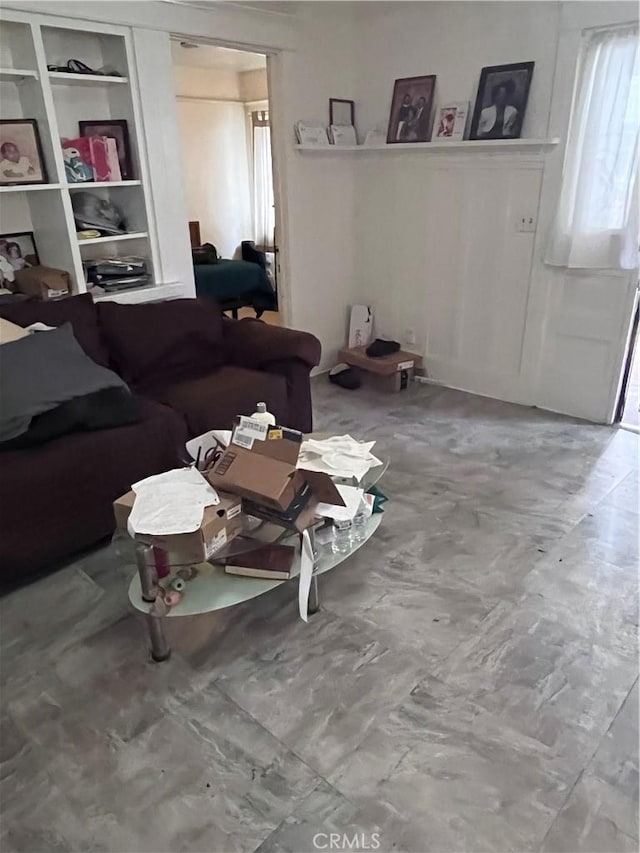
(44, 370)
(77, 310)
(163, 341)
(57, 498)
(213, 401)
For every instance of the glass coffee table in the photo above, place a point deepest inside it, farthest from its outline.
(213, 589)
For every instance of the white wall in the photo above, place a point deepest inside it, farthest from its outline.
(253, 85)
(453, 40)
(438, 252)
(216, 171)
(194, 82)
(319, 195)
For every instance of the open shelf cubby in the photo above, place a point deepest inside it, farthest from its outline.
(37, 84)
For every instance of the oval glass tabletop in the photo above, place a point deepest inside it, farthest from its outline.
(213, 589)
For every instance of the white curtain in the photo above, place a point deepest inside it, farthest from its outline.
(596, 224)
(263, 210)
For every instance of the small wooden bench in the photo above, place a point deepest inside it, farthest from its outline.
(389, 372)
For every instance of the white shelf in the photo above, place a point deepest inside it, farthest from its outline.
(172, 290)
(62, 77)
(470, 145)
(83, 185)
(16, 75)
(115, 238)
(29, 188)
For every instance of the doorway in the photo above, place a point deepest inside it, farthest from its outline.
(223, 105)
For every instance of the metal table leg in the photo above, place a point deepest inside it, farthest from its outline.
(160, 650)
(314, 600)
(147, 572)
(313, 604)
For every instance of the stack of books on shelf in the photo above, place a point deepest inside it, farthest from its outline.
(112, 274)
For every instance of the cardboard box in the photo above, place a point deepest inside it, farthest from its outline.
(43, 282)
(220, 524)
(260, 466)
(388, 370)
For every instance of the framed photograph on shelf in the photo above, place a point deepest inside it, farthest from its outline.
(501, 101)
(410, 118)
(341, 113)
(115, 129)
(451, 121)
(21, 160)
(17, 251)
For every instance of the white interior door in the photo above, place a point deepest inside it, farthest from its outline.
(585, 342)
(578, 321)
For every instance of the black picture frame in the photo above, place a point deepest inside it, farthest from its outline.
(118, 129)
(409, 119)
(25, 138)
(336, 107)
(27, 250)
(510, 83)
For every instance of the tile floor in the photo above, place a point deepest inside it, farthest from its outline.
(470, 683)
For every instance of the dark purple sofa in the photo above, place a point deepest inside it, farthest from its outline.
(190, 370)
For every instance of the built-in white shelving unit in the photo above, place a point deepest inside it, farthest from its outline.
(58, 101)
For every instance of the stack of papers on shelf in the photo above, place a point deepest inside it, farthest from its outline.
(311, 134)
(338, 456)
(343, 134)
(170, 503)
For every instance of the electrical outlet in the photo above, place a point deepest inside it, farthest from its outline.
(526, 224)
(410, 336)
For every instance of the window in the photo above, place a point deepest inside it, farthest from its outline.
(596, 225)
(263, 209)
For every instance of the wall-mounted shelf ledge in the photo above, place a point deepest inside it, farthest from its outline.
(453, 147)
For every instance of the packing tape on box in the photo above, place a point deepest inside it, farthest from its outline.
(306, 571)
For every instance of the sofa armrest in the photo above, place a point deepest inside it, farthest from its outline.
(254, 344)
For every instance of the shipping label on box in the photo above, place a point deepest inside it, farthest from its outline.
(266, 477)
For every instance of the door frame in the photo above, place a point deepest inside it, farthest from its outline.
(622, 386)
(275, 96)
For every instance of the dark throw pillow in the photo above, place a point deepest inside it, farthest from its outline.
(50, 385)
